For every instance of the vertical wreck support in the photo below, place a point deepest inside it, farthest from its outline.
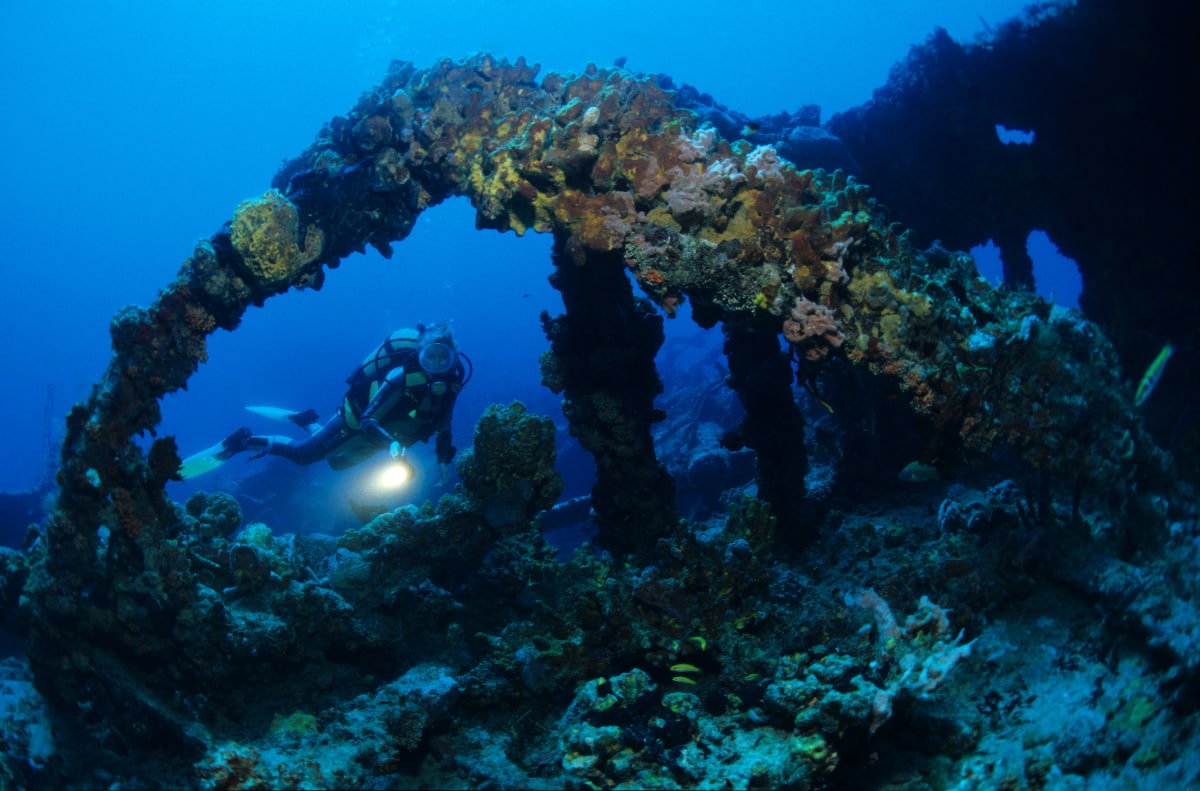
(602, 357)
(761, 375)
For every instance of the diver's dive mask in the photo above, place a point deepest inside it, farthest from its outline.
(437, 358)
(437, 354)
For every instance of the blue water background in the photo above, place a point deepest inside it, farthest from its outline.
(132, 130)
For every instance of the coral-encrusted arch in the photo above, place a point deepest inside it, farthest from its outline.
(623, 178)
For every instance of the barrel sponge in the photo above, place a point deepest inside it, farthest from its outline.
(266, 234)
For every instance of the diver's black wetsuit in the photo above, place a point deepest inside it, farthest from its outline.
(397, 413)
(391, 399)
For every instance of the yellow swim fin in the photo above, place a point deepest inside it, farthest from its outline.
(205, 461)
(211, 458)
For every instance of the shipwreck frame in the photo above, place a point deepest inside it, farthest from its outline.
(624, 179)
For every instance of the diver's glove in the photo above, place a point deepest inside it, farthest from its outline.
(443, 474)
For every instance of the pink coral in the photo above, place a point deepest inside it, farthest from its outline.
(767, 164)
(837, 267)
(686, 198)
(923, 653)
(698, 193)
(813, 326)
(648, 177)
(618, 215)
(696, 146)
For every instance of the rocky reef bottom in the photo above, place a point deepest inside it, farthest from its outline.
(939, 635)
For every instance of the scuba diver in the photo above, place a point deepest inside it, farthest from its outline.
(402, 393)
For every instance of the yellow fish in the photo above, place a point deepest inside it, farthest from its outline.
(1152, 375)
(685, 668)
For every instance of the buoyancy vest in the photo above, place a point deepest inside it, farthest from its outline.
(423, 399)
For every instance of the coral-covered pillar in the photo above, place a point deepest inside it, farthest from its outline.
(762, 376)
(602, 359)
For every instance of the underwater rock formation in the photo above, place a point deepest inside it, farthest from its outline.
(1110, 170)
(144, 612)
(509, 470)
